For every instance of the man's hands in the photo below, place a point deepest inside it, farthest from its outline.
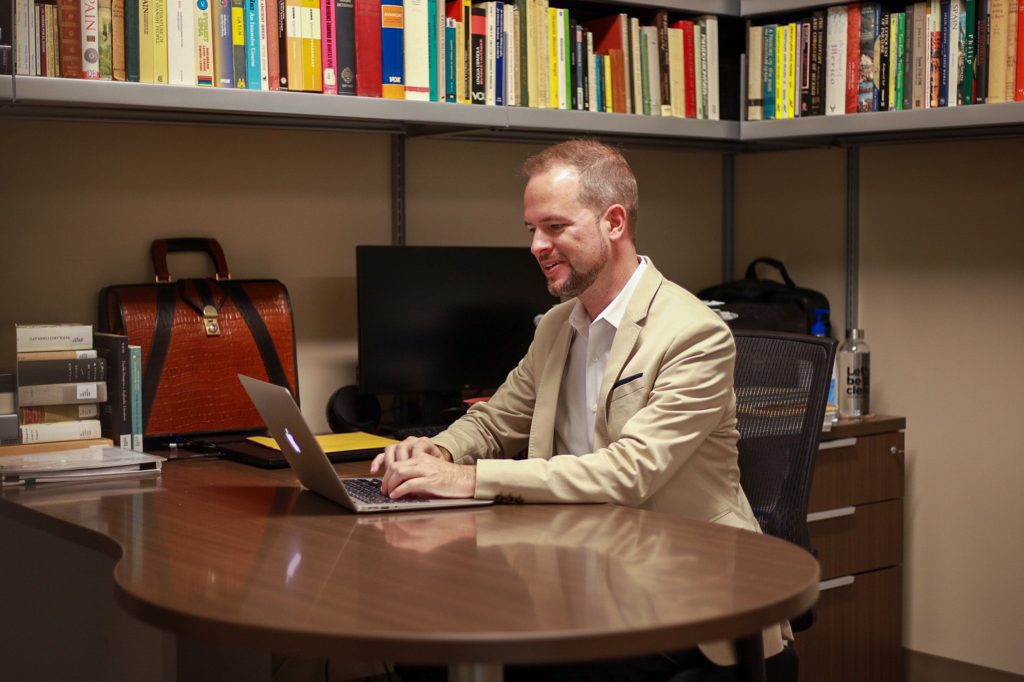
(418, 466)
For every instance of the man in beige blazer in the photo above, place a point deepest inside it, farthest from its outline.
(626, 393)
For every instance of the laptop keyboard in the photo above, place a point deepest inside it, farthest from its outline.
(368, 490)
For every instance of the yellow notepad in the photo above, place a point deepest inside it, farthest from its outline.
(337, 442)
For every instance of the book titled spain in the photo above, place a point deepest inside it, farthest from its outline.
(392, 49)
(90, 40)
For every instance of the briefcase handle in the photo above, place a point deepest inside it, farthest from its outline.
(161, 247)
(775, 263)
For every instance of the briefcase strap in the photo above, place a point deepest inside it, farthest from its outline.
(166, 299)
(260, 333)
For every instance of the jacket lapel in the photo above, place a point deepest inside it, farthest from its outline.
(542, 429)
(624, 344)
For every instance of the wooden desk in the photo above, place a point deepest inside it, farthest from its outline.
(226, 553)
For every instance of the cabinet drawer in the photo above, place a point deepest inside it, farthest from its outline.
(856, 634)
(858, 539)
(860, 471)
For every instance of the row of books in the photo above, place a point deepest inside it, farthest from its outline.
(75, 386)
(869, 56)
(524, 53)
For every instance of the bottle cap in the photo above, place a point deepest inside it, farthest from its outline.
(818, 328)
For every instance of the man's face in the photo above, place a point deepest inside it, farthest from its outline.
(568, 241)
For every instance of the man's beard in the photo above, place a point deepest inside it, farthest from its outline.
(578, 281)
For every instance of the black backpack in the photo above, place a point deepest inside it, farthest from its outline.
(767, 305)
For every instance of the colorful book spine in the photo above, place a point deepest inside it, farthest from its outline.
(50, 414)
(970, 34)
(368, 29)
(135, 376)
(944, 55)
(450, 64)
(768, 55)
(70, 19)
(147, 42)
(870, 21)
(435, 47)
(106, 39)
(239, 70)
(293, 54)
(416, 50)
(264, 36)
(853, 19)
(499, 53)
(478, 54)
(312, 64)
(392, 49)
(222, 57)
(160, 72)
(203, 18)
(119, 28)
(252, 45)
(329, 48)
(345, 42)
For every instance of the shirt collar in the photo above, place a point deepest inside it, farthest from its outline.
(615, 311)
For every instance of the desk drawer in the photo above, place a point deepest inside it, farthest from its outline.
(856, 636)
(859, 471)
(857, 539)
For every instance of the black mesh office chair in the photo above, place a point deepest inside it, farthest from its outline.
(781, 384)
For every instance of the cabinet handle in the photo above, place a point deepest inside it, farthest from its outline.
(833, 583)
(841, 443)
(831, 514)
(896, 451)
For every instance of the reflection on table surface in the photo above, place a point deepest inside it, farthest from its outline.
(218, 549)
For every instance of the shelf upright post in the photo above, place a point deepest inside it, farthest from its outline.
(852, 233)
(398, 189)
(728, 215)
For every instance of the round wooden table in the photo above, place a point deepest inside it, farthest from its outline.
(227, 553)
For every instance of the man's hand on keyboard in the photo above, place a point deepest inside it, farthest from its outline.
(406, 449)
(417, 466)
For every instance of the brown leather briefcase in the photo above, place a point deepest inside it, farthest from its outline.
(196, 336)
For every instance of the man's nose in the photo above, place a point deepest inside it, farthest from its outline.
(539, 243)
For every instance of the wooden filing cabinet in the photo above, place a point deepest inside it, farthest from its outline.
(856, 525)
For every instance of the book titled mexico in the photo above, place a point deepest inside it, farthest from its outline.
(392, 53)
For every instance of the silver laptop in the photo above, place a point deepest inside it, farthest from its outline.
(300, 447)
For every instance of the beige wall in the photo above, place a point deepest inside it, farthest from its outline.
(941, 282)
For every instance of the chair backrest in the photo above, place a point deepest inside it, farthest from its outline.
(781, 383)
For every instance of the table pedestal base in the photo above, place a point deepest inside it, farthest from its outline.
(475, 672)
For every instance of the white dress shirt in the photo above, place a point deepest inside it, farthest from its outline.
(584, 371)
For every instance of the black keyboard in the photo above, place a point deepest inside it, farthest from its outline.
(368, 490)
(418, 431)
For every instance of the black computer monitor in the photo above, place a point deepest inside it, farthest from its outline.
(444, 319)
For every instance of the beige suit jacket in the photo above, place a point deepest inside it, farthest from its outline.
(665, 430)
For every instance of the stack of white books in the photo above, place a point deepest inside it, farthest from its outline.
(91, 463)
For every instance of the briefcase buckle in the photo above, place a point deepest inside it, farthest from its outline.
(210, 321)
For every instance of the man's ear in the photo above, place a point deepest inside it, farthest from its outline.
(617, 221)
